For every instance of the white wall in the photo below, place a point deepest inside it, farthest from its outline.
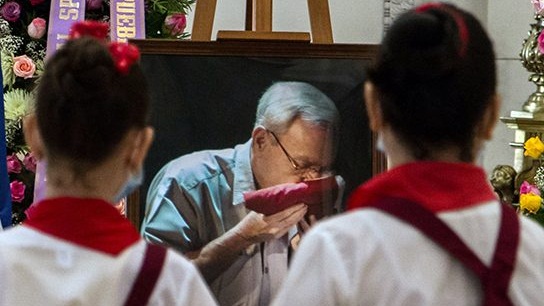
(508, 24)
(357, 21)
(292, 15)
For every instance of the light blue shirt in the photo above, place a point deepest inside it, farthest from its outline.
(198, 197)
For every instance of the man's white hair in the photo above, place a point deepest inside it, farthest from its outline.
(283, 102)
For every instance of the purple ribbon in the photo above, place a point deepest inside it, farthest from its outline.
(39, 181)
(62, 15)
(127, 20)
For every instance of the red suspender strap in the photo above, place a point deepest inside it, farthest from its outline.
(504, 260)
(494, 279)
(147, 277)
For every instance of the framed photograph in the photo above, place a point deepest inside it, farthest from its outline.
(204, 96)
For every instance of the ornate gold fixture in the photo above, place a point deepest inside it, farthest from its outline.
(533, 60)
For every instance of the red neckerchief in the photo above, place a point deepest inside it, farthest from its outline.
(438, 186)
(92, 223)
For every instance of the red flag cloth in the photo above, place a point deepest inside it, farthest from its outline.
(319, 194)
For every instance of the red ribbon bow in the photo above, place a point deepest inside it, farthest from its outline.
(89, 28)
(123, 54)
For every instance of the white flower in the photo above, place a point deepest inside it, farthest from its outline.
(5, 29)
(17, 103)
(35, 50)
(36, 29)
(11, 43)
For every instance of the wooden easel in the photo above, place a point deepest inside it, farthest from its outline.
(258, 24)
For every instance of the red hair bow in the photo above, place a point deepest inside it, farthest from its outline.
(89, 28)
(123, 54)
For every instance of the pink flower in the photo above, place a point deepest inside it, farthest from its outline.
(23, 66)
(17, 191)
(11, 11)
(36, 29)
(175, 23)
(30, 162)
(539, 6)
(93, 4)
(526, 188)
(14, 165)
(541, 42)
(36, 2)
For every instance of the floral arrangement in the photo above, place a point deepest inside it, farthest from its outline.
(167, 18)
(23, 29)
(23, 35)
(530, 193)
(21, 171)
(538, 6)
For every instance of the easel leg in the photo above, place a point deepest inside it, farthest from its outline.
(319, 19)
(203, 22)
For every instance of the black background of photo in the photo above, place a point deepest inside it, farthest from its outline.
(202, 102)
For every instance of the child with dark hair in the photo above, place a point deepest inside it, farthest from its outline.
(430, 230)
(90, 126)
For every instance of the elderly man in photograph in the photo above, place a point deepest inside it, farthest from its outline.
(195, 203)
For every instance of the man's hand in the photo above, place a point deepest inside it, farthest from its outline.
(257, 227)
(305, 224)
(219, 254)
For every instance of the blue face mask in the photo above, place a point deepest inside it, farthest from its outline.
(132, 184)
(379, 143)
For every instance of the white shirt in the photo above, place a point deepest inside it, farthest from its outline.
(367, 257)
(198, 197)
(39, 269)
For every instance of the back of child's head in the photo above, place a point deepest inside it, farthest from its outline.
(85, 105)
(435, 76)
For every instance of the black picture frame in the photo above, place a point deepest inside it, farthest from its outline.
(204, 96)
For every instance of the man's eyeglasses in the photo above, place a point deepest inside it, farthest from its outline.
(312, 170)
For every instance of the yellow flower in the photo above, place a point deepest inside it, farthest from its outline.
(534, 147)
(530, 202)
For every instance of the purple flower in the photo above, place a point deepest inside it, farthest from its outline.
(14, 165)
(17, 191)
(175, 24)
(541, 42)
(30, 162)
(93, 4)
(11, 11)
